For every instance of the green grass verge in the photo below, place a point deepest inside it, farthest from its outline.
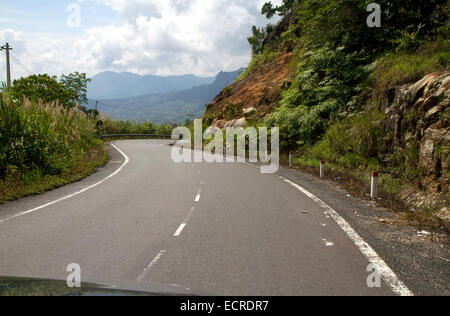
(81, 166)
(398, 68)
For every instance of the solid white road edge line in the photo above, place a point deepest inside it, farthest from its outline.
(127, 160)
(179, 230)
(391, 279)
(154, 261)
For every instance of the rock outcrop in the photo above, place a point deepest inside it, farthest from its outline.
(419, 121)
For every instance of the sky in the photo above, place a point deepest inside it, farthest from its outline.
(159, 37)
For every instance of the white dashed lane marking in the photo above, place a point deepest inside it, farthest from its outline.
(197, 198)
(179, 230)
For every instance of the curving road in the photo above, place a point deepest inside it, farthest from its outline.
(221, 228)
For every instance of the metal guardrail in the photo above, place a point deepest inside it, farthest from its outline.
(136, 136)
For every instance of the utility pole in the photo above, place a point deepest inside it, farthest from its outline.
(96, 106)
(7, 48)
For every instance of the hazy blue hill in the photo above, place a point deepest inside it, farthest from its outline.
(174, 107)
(111, 85)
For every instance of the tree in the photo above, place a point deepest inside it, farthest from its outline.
(256, 41)
(77, 82)
(286, 6)
(45, 88)
(269, 10)
(343, 23)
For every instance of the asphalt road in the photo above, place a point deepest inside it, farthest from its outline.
(225, 229)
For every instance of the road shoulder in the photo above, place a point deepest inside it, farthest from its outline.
(421, 262)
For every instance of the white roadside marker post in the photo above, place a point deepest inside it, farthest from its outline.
(291, 159)
(374, 186)
(322, 169)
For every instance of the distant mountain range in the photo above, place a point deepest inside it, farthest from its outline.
(170, 107)
(113, 85)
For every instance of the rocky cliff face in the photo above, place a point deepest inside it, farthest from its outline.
(418, 119)
(253, 97)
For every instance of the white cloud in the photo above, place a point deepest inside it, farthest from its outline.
(159, 37)
(18, 43)
(40, 53)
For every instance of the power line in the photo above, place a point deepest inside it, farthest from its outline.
(17, 61)
(21, 65)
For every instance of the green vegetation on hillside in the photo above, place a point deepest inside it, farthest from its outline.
(331, 110)
(340, 58)
(396, 68)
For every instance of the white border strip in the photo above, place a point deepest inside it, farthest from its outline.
(127, 160)
(391, 279)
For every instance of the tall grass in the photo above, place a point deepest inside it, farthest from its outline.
(38, 139)
(352, 143)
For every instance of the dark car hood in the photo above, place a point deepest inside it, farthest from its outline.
(19, 286)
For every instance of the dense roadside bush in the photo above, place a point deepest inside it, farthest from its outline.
(325, 86)
(43, 126)
(353, 142)
(41, 138)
